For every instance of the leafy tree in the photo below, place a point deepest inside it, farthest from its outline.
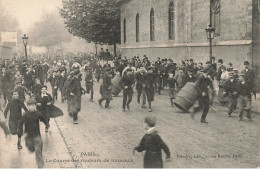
(95, 21)
(50, 31)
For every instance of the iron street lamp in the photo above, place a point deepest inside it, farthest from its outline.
(210, 31)
(25, 42)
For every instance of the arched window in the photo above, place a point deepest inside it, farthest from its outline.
(137, 28)
(124, 30)
(171, 21)
(152, 25)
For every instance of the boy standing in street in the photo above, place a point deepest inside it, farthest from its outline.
(152, 144)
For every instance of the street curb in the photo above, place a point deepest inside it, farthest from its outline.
(73, 156)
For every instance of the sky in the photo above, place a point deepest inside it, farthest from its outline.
(29, 11)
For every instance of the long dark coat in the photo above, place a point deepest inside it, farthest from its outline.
(105, 88)
(152, 144)
(149, 86)
(44, 108)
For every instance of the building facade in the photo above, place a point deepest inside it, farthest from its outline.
(176, 29)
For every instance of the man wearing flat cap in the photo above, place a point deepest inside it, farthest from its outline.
(230, 89)
(203, 86)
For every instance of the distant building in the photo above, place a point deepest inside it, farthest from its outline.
(176, 29)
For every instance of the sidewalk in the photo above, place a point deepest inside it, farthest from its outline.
(54, 150)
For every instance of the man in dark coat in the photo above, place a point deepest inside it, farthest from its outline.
(244, 96)
(230, 89)
(213, 64)
(139, 85)
(106, 89)
(75, 92)
(220, 65)
(39, 72)
(98, 72)
(62, 80)
(102, 54)
(128, 82)
(28, 79)
(149, 84)
(203, 84)
(89, 83)
(152, 144)
(54, 80)
(249, 77)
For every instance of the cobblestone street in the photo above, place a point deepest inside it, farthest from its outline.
(110, 134)
(106, 137)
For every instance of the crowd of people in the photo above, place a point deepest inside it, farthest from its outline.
(21, 78)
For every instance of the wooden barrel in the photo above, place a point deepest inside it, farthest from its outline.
(117, 86)
(186, 97)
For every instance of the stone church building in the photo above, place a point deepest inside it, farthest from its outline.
(176, 29)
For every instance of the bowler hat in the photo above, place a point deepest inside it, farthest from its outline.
(246, 63)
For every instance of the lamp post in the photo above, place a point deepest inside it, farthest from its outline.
(210, 32)
(25, 42)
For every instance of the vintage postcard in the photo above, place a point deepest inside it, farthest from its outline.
(129, 83)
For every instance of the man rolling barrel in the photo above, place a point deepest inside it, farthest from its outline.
(203, 84)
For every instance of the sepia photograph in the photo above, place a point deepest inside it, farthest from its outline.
(129, 83)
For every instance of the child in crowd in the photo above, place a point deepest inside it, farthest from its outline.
(15, 106)
(21, 91)
(33, 139)
(43, 102)
(152, 144)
